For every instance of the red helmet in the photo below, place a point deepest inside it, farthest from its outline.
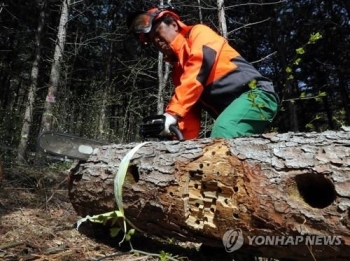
(141, 22)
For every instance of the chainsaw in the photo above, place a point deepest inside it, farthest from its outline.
(152, 126)
(75, 147)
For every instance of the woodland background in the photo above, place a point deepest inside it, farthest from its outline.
(69, 66)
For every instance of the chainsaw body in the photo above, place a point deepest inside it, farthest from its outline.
(152, 126)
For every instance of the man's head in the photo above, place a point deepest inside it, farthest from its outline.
(157, 26)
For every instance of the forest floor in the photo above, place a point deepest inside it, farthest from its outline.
(37, 222)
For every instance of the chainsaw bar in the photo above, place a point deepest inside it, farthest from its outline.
(68, 146)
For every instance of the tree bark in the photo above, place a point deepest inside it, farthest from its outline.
(1, 172)
(48, 114)
(270, 185)
(222, 19)
(28, 115)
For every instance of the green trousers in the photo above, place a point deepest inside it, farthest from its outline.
(249, 114)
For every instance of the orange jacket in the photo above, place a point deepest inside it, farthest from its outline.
(208, 73)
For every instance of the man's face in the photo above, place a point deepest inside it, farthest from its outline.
(162, 35)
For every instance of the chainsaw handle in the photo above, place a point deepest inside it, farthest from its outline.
(175, 130)
(152, 126)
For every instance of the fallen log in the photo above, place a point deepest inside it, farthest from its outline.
(274, 189)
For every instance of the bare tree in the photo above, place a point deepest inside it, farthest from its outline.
(200, 15)
(47, 118)
(28, 115)
(108, 78)
(1, 7)
(222, 20)
(163, 76)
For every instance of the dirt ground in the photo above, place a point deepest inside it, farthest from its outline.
(37, 222)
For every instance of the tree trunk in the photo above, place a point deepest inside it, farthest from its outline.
(48, 115)
(294, 184)
(222, 19)
(200, 15)
(1, 172)
(28, 115)
(163, 76)
(344, 98)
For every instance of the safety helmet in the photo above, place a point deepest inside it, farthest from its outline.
(141, 22)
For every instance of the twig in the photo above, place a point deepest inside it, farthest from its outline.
(245, 4)
(11, 244)
(112, 255)
(55, 250)
(267, 56)
(247, 25)
(151, 254)
(312, 254)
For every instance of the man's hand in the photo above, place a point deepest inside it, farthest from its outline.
(169, 120)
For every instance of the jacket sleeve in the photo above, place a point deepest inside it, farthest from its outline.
(203, 47)
(190, 125)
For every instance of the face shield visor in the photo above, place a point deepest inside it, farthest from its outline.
(141, 23)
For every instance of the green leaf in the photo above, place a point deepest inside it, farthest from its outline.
(164, 256)
(262, 117)
(302, 95)
(252, 96)
(322, 94)
(131, 231)
(129, 234)
(119, 182)
(288, 69)
(100, 219)
(310, 126)
(252, 84)
(114, 231)
(120, 176)
(297, 61)
(300, 51)
(314, 38)
(118, 214)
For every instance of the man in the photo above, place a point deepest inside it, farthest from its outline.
(208, 74)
